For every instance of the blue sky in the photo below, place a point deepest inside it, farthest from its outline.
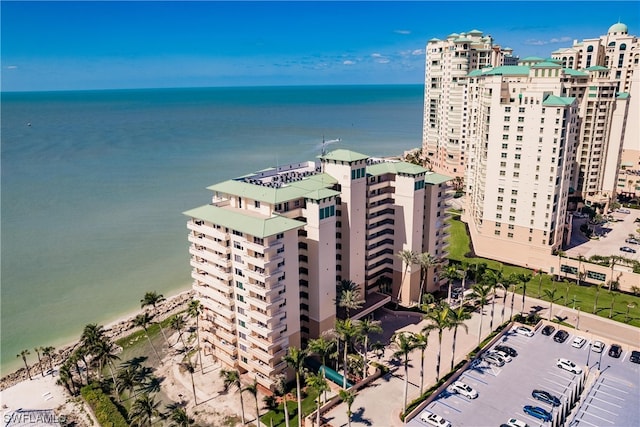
(105, 45)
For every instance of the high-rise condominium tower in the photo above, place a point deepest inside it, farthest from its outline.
(268, 250)
(448, 62)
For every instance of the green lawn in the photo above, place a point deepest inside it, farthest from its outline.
(276, 416)
(618, 306)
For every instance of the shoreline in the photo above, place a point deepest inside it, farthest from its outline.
(114, 330)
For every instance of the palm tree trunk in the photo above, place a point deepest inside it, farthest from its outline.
(421, 370)
(115, 384)
(406, 382)
(365, 370)
(439, 354)
(453, 347)
(480, 327)
(193, 386)
(493, 304)
(199, 349)
(257, 409)
(344, 366)
(286, 410)
(153, 347)
(318, 411)
(298, 392)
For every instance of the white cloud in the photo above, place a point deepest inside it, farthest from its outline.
(418, 52)
(537, 42)
(403, 32)
(11, 67)
(376, 55)
(347, 62)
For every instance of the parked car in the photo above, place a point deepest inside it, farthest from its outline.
(548, 330)
(514, 422)
(501, 355)
(492, 359)
(523, 330)
(463, 389)
(434, 419)
(568, 365)
(628, 249)
(597, 346)
(537, 412)
(623, 211)
(632, 240)
(561, 336)
(635, 356)
(615, 350)
(578, 342)
(546, 397)
(506, 349)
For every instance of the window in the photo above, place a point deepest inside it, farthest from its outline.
(521, 119)
(279, 235)
(505, 137)
(240, 298)
(505, 146)
(503, 155)
(514, 192)
(506, 118)
(507, 109)
(502, 173)
(520, 109)
(497, 232)
(506, 128)
(257, 204)
(516, 174)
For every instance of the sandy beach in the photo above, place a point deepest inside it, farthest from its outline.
(213, 406)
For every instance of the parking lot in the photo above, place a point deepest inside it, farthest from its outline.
(611, 390)
(613, 236)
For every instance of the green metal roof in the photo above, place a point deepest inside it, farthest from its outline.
(236, 219)
(597, 68)
(290, 191)
(322, 193)
(509, 70)
(532, 58)
(557, 101)
(342, 155)
(574, 73)
(404, 168)
(623, 95)
(546, 64)
(453, 35)
(435, 178)
(433, 40)
(474, 31)
(462, 40)
(474, 73)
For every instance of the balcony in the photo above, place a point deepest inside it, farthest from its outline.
(206, 229)
(214, 295)
(212, 269)
(266, 344)
(214, 245)
(226, 338)
(229, 360)
(210, 256)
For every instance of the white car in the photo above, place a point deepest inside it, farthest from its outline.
(433, 419)
(597, 346)
(568, 365)
(578, 342)
(463, 389)
(501, 354)
(514, 422)
(493, 359)
(523, 330)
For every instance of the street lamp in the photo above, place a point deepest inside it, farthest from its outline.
(588, 354)
(578, 320)
(600, 361)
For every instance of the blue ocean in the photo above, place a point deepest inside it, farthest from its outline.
(94, 185)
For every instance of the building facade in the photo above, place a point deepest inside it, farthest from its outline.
(267, 252)
(448, 62)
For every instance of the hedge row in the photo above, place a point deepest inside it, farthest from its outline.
(104, 409)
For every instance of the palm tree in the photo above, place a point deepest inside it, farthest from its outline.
(346, 331)
(127, 380)
(322, 347)
(48, 353)
(23, 354)
(539, 273)
(581, 259)
(295, 360)
(194, 310)
(38, 350)
(492, 279)
(320, 385)
(143, 411)
(613, 261)
(66, 379)
(365, 328)
(551, 295)
(451, 273)
(613, 300)
(426, 261)
(348, 397)
(405, 343)
(178, 323)
(231, 378)
(595, 302)
(524, 278)
(438, 320)
(143, 320)
(630, 305)
(481, 292)
(457, 318)
(180, 418)
(567, 286)
(281, 390)
(350, 300)
(408, 258)
(253, 390)
(189, 367)
(421, 340)
(153, 299)
(105, 353)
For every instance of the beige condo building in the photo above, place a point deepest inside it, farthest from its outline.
(266, 253)
(448, 62)
(609, 151)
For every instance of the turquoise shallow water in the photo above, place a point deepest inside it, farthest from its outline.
(94, 187)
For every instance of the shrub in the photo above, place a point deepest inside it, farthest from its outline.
(103, 407)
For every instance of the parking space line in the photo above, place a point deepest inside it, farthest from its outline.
(595, 416)
(448, 406)
(602, 409)
(627, 384)
(608, 394)
(474, 378)
(565, 386)
(581, 420)
(605, 401)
